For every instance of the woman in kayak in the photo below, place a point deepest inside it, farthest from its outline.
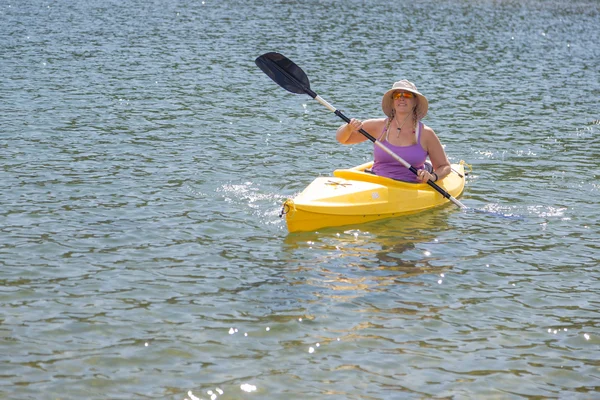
(403, 133)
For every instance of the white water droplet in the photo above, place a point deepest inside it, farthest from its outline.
(231, 331)
(311, 349)
(440, 282)
(586, 336)
(268, 329)
(246, 387)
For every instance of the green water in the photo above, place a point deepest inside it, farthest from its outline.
(144, 159)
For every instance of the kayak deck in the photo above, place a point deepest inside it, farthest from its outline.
(353, 196)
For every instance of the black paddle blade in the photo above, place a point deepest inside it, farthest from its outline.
(285, 73)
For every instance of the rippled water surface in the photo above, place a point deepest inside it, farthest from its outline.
(144, 158)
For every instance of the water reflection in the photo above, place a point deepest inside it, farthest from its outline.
(377, 260)
(392, 239)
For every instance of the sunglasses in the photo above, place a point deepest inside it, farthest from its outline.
(406, 95)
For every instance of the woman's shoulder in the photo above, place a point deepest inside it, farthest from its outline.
(427, 131)
(428, 138)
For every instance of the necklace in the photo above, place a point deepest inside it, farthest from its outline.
(399, 127)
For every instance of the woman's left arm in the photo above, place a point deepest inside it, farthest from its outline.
(437, 155)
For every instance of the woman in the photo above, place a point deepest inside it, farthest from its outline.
(403, 133)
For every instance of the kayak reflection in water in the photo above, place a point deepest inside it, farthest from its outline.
(404, 134)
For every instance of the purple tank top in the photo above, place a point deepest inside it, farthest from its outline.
(386, 165)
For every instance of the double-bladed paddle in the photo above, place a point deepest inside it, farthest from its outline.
(291, 77)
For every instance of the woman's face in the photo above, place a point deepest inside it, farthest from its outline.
(404, 101)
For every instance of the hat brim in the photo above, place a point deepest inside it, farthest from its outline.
(387, 103)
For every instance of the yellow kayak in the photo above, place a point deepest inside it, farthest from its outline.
(353, 196)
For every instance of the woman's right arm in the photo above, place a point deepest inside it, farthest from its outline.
(349, 133)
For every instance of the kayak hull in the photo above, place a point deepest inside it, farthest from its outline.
(354, 196)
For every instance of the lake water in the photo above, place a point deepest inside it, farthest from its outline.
(144, 159)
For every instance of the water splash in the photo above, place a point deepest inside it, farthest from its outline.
(495, 211)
